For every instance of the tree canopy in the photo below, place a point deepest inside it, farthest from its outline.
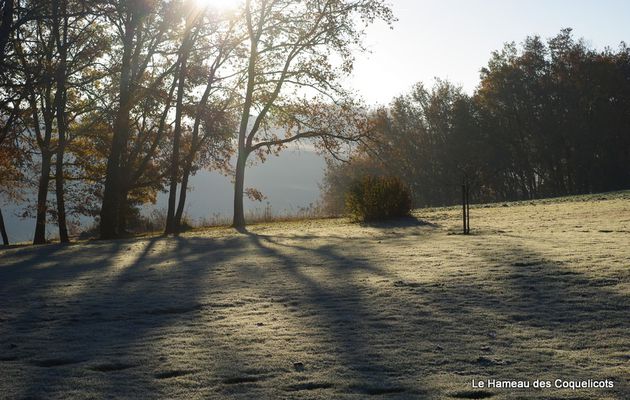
(547, 119)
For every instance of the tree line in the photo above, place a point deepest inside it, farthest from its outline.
(548, 118)
(105, 103)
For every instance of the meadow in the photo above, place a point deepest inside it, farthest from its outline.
(324, 308)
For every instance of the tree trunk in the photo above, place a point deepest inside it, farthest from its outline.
(42, 194)
(3, 230)
(110, 209)
(238, 221)
(122, 212)
(6, 25)
(182, 194)
(172, 223)
(194, 147)
(171, 226)
(111, 192)
(60, 99)
(59, 191)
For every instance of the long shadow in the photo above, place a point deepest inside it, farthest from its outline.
(359, 333)
(546, 293)
(532, 310)
(402, 222)
(30, 259)
(529, 292)
(95, 322)
(111, 323)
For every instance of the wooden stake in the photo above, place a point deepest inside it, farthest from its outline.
(466, 205)
(467, 208)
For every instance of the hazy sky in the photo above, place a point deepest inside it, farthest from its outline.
(453, 39)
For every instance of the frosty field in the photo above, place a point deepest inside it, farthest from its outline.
(325, 309)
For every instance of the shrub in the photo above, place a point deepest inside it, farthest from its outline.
(375, 198)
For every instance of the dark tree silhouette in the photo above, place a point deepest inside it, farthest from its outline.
(548, 119)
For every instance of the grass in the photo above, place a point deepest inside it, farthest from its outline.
(406, 309)
(152, 224)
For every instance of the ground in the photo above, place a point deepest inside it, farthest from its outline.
(328, 309)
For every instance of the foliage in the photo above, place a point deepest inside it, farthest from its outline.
(104, 104)
(254, 194)
(298, 53)
(169, 101)
(374, 198)
(548, 119)
(338, 177)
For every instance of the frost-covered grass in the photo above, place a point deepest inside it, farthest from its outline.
(328, 309)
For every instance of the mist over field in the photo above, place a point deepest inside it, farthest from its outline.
(289, 181)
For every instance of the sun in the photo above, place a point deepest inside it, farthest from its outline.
(218, 4)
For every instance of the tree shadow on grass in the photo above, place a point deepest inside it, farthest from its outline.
(105, 324)
(401, 222)
(530, 315)
(365, 360)
(113, 325)
(533, 317)
(28, 260)
(547, 293)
